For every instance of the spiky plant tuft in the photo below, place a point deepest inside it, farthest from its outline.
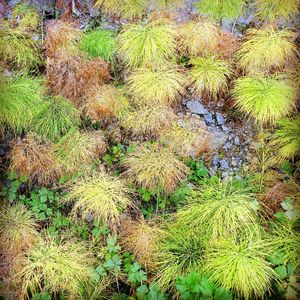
(105, 101)
(101, 195)
(241, 266)
(128, 9)
(155, 167)
(209, 75)
(18, 229)
(76, 150)
(20, 100)
(221, 9)
(150, 44)
(28, 17)
(34, 158)
(265, 49)
(179, 252)
(266, 99)
(157, 85)
(62, 266)
(55, 119)
(271, 10)
(221, 209)
(286, 138)
(100, 43)
(198, 38)
(143, 120)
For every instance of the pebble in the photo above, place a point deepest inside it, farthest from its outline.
(196, 107)
(220, 119)
(209, 119)
(224, 164)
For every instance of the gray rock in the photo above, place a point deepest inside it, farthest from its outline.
(218, 138)
(237, 140)
(196, 107)
(226, 129)
(209, 119)
(234, 163)
(224, 165)
(227, 146)
(220, 119)
(215, 160)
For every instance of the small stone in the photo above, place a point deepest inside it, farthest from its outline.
(215, 161)
(35, 37)
(224, 128)
(227, 146)
(220, 119)
(209, 119)
(196, 107)
(237, 140)
(224, 164)
(234, 163)
(225, 175)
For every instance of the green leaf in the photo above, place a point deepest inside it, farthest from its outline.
(281, 271)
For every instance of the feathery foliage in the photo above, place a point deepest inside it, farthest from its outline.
(266, 99)
(34, 158)
(219, 9)
(161, 85)
(145, 45)
(100, 43)
(209, 75)
(105, 101)
(18, 48)
(128, 9)
(286, 138)
(28, 17)
(265, 49)
(241, 266)
(61, 266)
(179, 252)
(221, 209)
(20, 100)
(155, 167)
(55, 119)
(198, 38)
(76, 150)
(99, 194)
(18, 229)
(147, 119)
(271, 10)
(166, 4)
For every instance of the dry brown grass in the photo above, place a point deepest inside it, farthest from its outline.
(227, 45)
(34, 158)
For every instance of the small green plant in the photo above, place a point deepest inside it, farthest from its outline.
(100, 195)
(146, 45)
(151, 292)
(198, 171)
(290, 210)
(209, 75)
(221, 9)
(59, 223)
(55, 119)
(255, 56)
(100, 43)
(136, 275)
(156, 85)
(265, 99)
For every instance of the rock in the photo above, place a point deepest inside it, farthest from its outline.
(237, 140)
(196, 107)
(218, 138)
(224, 164)
(198, 123)
(215, 160)
(234, 163)
(227, 146)
(226, 129)
(43, 5)
(209, 119)
(220, 119)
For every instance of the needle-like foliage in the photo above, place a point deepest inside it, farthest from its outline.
(271, 10)
(286, 138)
(185, 140)
(155, 167)
(221, 209)
(128, 9)
(166, 4)
(28, 17)
(157, 85)
(150, 44)
(221, 9)
(101, 195)
(105, 101)
(179, 252)
(62, 266)
(265, 49)
(20, 100)
(198, 38)
(266, 99)
(18, 229)
(17, 48)
(34, 158)
(76, 150)
(241, 266)
(100, 43)
(143, 120)
(55, 119)
(209, 75)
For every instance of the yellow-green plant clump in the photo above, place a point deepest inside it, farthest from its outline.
(146, 45)
(265, 49)
(28, 17)
(157, 85)
(265, 99)
(209, 75)
(155, 168)
(101, 195)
